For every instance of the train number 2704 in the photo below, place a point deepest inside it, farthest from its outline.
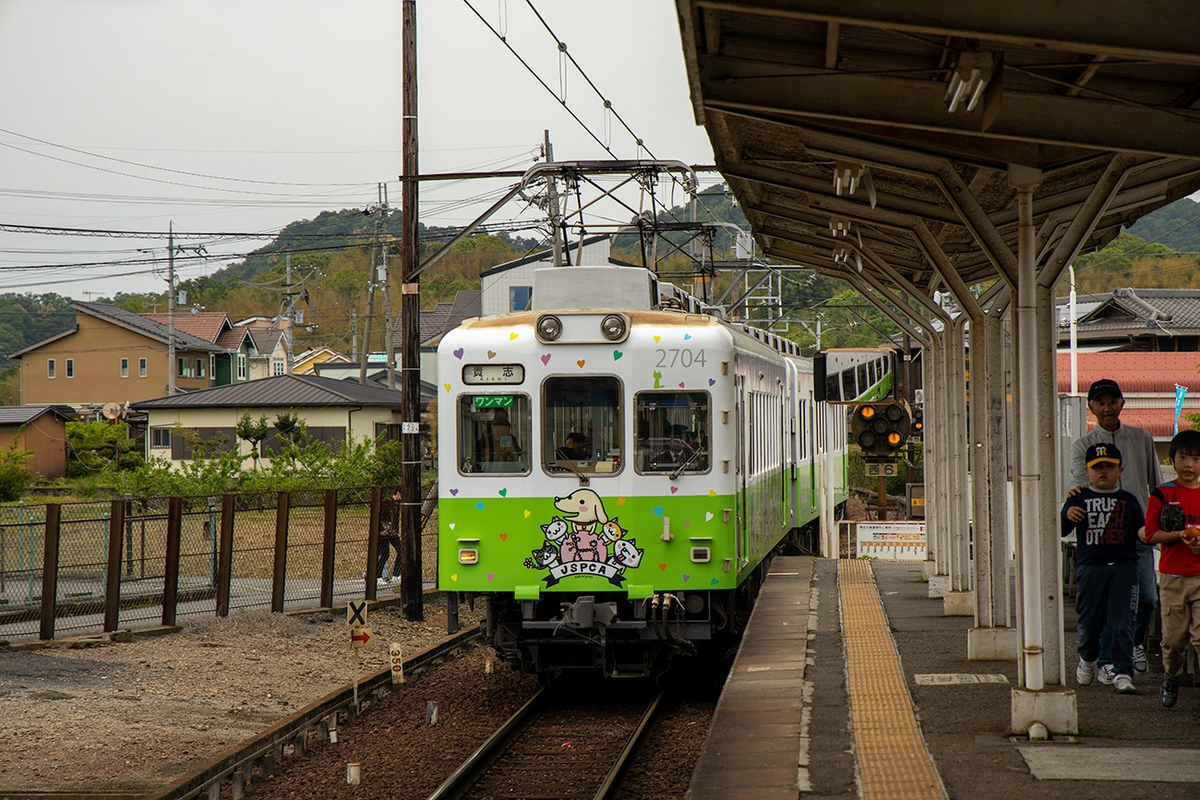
(684, 357)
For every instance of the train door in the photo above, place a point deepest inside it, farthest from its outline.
(743, 439)
(811, 410)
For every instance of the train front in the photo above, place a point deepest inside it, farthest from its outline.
(584, 477)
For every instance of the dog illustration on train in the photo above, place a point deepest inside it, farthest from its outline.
(584, 541)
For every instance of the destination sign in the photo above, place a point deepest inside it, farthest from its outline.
(476, 374)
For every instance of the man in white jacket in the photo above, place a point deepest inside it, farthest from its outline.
(1141, 474)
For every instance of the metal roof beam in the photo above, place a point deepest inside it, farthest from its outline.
(921, 105)
(1097, 27)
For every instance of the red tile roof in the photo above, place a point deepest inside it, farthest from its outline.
(1147, 380)
(206, 325)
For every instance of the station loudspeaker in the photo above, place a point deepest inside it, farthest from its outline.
(918, 423)
(881, 429)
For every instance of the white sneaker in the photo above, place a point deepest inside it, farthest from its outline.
(1106, 675)
(1139, 659)
(1085, 672)
(1124, 684)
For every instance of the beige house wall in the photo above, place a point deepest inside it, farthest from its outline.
(359, 423)
(96, 350)
(46, 436)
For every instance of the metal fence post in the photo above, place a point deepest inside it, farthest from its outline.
(211, 524)
(327, 549)
(112, 585)
(373, 542)
(279, 579)
(171, 572)
(225, 555)
(50, 570)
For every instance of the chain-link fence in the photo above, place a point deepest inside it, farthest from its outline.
(74, 568)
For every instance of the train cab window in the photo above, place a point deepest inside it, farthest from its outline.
(494, 433)
(672, 432)
(849, 388)
(581, 425)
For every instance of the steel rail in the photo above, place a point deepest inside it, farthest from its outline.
(608, 788)
(235, 764)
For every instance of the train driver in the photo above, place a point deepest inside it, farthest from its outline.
(574, 449)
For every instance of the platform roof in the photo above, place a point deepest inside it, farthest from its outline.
(793, 91)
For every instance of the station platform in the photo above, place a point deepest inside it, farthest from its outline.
(851, 682)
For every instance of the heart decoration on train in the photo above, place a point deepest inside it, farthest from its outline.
(657, 511)
(620, 501)
(581, 362)
(681, 384)
(452, 524)
(687, 336)
(617, 355)
(447, 387)
(504, 492)
(663, 567)
(656, 338)
(713, 582)
(708, 515)
(454, 492)
(685, 578)
(527, 512)
(479, 505)
(712, 492)
(491, 576)
(674, 489)
(512, 336)
(712, 381)
(504, 537)
(454, 577)
(491, 354)
(546, 358)
(458, 353)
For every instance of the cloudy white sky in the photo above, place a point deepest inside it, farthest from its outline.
(244, 115)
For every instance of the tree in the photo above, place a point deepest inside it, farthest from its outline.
(252, 432)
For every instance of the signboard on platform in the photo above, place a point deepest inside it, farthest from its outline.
(891, 541)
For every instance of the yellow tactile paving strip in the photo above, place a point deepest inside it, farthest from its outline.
(889, 750)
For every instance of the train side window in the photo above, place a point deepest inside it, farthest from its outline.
(672, 429)
(494, 433)
(587, 411)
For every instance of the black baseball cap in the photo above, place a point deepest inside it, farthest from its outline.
(1102, 387)
(1102, 452)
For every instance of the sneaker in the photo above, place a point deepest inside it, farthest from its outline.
(1106, 674)
(1085, 672)
(1139, 659)
(1170, 691)
(1124, 685)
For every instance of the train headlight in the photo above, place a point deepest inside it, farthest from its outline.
(549, 327)
(613, 327)
(468, 555)
(701, 555)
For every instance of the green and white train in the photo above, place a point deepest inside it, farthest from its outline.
(617, 466)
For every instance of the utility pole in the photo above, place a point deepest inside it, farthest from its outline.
(366, 348)
(552, 201)
(385, 282)
(291, 314)
(411, 585)
(354, 335)
(171, 308)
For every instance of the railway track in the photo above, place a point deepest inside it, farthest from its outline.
(227, 774)
(563, 743)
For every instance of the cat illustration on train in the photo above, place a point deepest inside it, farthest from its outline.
(584, 541)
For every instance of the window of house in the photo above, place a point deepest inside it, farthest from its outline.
(160, 438)
(672, 430)
(199, 367)
(186, 367)
(519, 298)
(581, 425)
(70, 368)
(277, 366)
(494, 433)
(241, 366)
(51, 368)
(124, 367)
(141, 367)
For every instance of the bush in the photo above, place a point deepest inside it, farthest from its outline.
(15, 478)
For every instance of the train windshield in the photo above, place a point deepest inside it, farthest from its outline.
(581, 425)
(672, 432)
(493, 433)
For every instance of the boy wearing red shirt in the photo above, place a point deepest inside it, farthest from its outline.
(1173, 521)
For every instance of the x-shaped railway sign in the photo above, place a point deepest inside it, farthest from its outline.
(356, 612)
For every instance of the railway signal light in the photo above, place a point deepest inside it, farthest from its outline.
(918, 423)
(881, 428)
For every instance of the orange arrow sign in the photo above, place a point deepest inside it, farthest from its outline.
(359, 637)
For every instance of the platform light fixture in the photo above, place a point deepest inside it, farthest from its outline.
(969, 80)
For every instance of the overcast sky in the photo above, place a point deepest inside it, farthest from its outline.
(244, 115)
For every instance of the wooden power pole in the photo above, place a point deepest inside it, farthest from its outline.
(411, 586)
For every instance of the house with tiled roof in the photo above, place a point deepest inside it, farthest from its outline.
(305, 363)
(1134, 319)
(111, 355)
(335, 412)
(1147, 380)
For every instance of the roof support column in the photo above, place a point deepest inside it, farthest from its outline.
(957, 602)
(992, 637)
(1041, 696)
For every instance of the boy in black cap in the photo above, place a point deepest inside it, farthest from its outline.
(1106, 521)
(1141, 473)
